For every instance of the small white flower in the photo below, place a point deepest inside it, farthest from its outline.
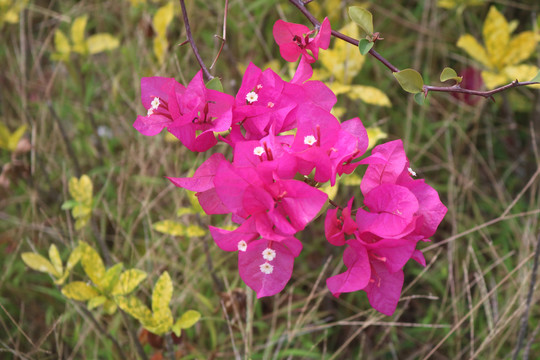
(270, 104)
(149, 112)
(310, 140)
(259, 87)
(411, 171)
(155, 103)
(266, 268)
(242, 245)
(259, 150)
(251, 97)
(269, 254)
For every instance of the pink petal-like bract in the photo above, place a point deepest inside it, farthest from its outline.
(384, 288)
(358, 271)
(265, 277)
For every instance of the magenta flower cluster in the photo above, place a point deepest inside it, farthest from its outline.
(285, 144)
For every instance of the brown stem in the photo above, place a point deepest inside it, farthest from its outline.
(192, 42)
(224, 37)
(427, 88)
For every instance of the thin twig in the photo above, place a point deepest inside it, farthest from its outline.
(223, 38)
(427, 88)
(133, 336)
(525, 320)
(169, 346)
(192, 42)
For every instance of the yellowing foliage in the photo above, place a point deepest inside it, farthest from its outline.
(502, 53)
(8, 139)
(160, 22)
(10, 10)
(81, 190)
(77, 42)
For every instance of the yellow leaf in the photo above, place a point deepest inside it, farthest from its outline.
(187, 320)
(160, 46)
(338, 88)
(39, 263)
(81, 222)
(161, 322)
(54, 256)
(194, 201)
(111, 278)
(195, 231)
(96, 302)
(492, 80)
(522, 73)
(134, 307)
(81, 189)
(374, 135)
(369, 95)
(61, 43)
(77, 34)
(101, 42)
(162, 19)
(474, 49)
(128, 281)
(169, 227)
(109, 307)
(521, 47)
(162, 293)
(93, 265)
(496, 35)
(183, 211)
(4, 136)
(80, 291)
(343, 60)
(14, 138)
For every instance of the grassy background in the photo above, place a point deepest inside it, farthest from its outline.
(483, 160)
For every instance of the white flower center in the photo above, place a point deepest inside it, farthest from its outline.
(149, 112)
(259, 87)
(242, 245)
(270, 104)
(310, 140)
(266, 268)
(269, 254)
(259, 150)
(155, 103)
(251, 97)
(411, 171)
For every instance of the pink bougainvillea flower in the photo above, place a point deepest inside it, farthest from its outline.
(266, 266)
(335, 229)
(358, 271)
(384, 288)
(386, 163)
(155, 99)
(391, 213)
(294, 40)
(198, 113)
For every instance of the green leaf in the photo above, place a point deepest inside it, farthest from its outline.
(128, 281)
(80, 291)
(39, 263)
(111, 278)
(169, 227)
(54, 256)
(419, 98)
(215, 84)
(101, 42)
(93, 265)
(69, 204)
(134, 307)
(536, 78)
(450, 74)
(410, 80)
(362, 18)
(365, 45)
(162, 293)
(96, 302)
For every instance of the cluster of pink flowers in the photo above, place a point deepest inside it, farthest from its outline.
(261, 189)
